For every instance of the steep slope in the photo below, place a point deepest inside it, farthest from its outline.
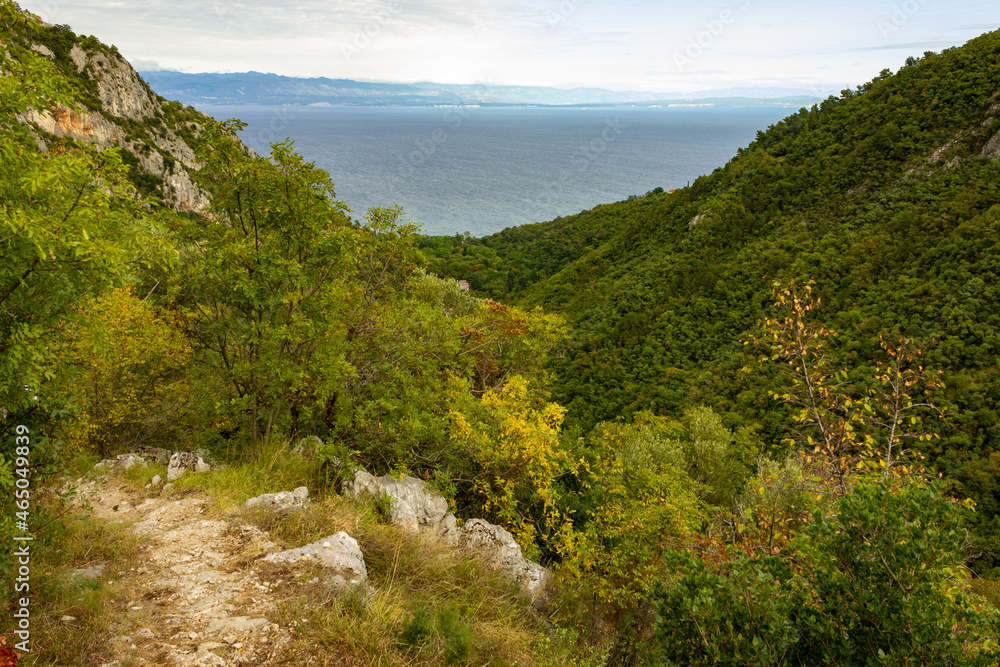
(888, 197)
(116, 108)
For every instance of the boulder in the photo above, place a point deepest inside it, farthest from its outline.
(339, 553)
(123, 462)
(498, 547)
(158, 455)
(413, 506)
(283, 501)
(182, 462)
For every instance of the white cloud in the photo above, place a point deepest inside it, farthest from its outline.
(622, 44)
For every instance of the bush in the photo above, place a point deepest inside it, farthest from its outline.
(123, 373)
(879, 582)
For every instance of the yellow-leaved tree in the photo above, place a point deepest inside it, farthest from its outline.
(124, 377)
(511, 439)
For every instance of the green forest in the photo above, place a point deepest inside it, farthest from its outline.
(750, 422)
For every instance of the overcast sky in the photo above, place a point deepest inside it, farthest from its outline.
(658, 45)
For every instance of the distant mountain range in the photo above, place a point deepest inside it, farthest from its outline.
(257, 88)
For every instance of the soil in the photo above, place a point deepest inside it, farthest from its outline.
(201, 600)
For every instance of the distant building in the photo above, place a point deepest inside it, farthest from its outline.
(464, 284)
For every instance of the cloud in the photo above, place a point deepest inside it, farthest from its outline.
(142, 65)
(622, 45)
(912, 46)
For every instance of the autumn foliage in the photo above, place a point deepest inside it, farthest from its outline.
(123, 375)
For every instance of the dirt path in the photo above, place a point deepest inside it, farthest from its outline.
(198, 599)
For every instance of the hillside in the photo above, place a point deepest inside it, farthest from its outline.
(330, 417)
(888, 197)
(113, 107)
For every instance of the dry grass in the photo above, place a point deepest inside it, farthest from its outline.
(98, 607)
(428, 604)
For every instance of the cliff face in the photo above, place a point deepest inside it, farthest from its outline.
(118, 109)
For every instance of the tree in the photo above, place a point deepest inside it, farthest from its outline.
(834, 422)
(512, 441)
(122, 373)
(270, 289)
(70, 221)
(70, 225)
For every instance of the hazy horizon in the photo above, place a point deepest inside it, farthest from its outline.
(637, 45)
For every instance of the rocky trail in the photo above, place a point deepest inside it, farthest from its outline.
(203, 592)
(201, 602)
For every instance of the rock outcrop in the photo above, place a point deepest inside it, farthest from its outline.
(122, 111)
(283, 501)
(123, 462)
(498, 546)
(991, 150)
(412, 505)
(418, 508)
(340, 553)
(182, 462)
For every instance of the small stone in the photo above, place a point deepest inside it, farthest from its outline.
(209, 646)
(193, 635)
(144, 632)
(136, 608)
(157, 480)
(68, 619)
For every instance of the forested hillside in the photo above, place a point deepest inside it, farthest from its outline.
(886, 197)
(656, 403)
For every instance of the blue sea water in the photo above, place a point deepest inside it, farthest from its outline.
(480, 170)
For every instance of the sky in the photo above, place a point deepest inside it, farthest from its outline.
(817, 46)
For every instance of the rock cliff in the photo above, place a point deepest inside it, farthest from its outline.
(116, 108)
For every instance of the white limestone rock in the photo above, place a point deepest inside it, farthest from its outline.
(500, 548)
(182, 462)
(123, 462)
(414, 507)
(283, 501)
(340, 553)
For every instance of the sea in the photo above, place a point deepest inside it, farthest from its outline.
(479, 170)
